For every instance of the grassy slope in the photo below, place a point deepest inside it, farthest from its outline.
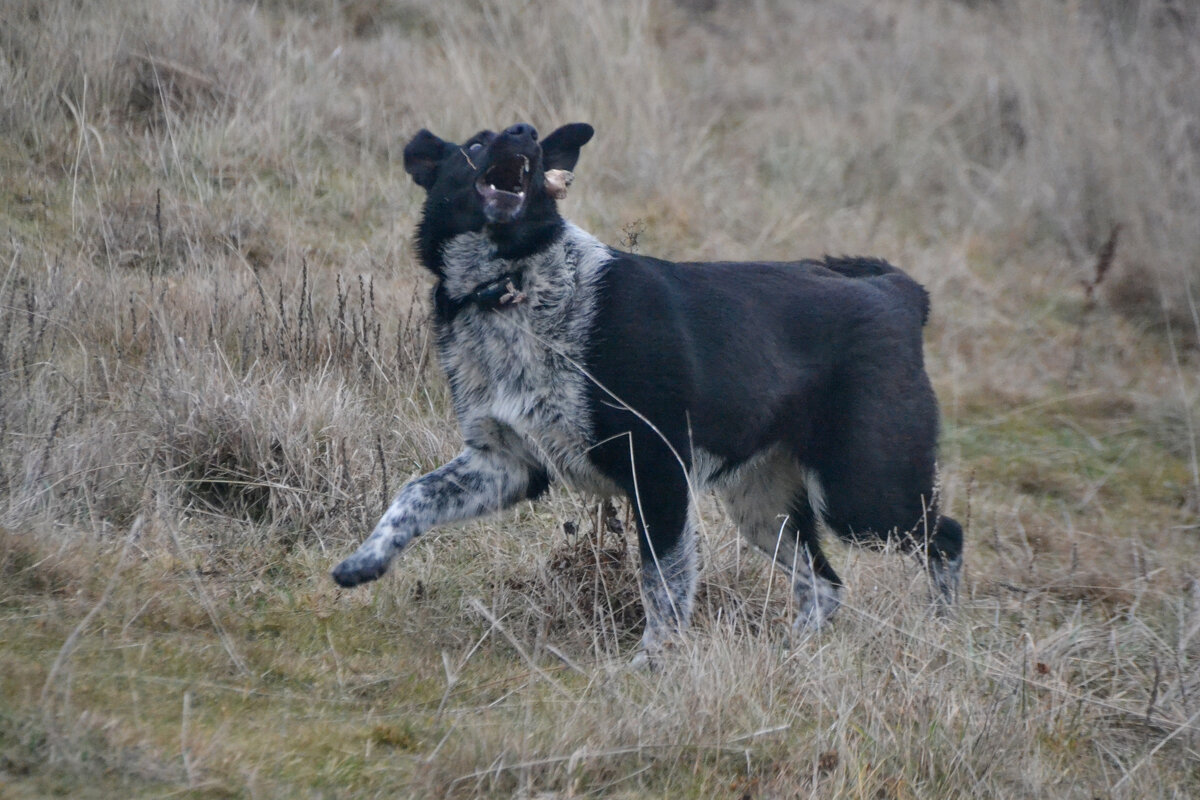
(214, 367)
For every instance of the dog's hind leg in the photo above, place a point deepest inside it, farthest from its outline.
(775, 504)
(878, 503)
(943, 559)
(817, 587)
(475, 483)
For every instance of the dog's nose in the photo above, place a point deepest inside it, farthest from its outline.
(522, 131)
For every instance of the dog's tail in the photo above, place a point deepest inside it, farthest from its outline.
(866, 267)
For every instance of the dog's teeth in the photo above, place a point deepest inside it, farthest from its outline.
(492, 186)
(521, 195)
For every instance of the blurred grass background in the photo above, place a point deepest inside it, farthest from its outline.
(215, 367)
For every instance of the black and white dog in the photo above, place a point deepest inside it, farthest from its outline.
(796, 390)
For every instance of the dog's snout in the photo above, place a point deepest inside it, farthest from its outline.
(522, 131)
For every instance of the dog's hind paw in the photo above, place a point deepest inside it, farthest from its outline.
(945, 575)
(357, 569)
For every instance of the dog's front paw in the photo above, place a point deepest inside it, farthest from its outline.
(358, 568)
(816, 604)
(642, 662)
(651, 655)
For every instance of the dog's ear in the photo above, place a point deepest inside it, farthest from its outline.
(560, 150)
(422, 156)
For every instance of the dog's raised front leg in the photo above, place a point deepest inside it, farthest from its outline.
(475, 483)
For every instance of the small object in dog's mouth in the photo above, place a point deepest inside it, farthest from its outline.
(557, 181)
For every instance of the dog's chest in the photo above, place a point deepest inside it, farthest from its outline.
(515, 370)
(504, 366)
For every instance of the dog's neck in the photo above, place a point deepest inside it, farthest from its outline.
(471, 261)
(474, 273)
(514, 241)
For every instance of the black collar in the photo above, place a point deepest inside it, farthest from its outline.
(499, 293)
(495, 295)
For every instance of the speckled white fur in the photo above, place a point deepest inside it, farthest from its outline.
(519, 392)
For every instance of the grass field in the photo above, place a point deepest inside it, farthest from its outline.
(215, 367)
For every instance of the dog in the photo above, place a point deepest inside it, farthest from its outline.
(797, 391)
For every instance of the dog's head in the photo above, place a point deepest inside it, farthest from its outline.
(504, 184)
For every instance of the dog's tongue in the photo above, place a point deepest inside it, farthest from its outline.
(499, 205)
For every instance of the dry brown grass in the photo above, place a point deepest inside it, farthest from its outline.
(215, 366)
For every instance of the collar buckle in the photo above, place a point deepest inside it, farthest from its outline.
(499, 293)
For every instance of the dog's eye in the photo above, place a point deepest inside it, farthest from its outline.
(475, 147)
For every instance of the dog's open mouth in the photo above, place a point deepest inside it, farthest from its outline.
(503, 187)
